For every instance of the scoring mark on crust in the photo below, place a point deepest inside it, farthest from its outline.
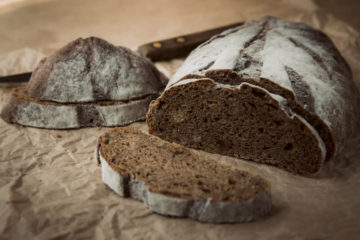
(316, 57)
(247, 59)
(265, 26)
(206, 67)
(301, 89)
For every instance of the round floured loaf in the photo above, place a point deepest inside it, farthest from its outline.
(271, 91)
(176, 181)
(89, 82)
(91, 69)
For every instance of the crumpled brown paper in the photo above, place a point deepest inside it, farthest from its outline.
(50, 187)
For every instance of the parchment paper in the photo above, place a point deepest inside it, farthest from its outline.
(50, 187)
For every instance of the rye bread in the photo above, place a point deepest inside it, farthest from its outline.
(175, 181)
(270, 91)
(88, 82)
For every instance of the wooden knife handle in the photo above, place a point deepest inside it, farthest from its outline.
(179, 46)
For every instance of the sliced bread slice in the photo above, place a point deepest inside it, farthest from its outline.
(27, 111)
(176, 181)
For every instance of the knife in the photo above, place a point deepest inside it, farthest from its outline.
(162, 50)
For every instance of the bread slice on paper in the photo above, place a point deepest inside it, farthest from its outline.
(88, 82)
(271, 91)
(175, 181)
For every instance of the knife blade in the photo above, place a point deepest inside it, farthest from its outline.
(163, 50)
(16, 78)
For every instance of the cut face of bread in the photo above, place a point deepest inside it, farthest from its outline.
(243, 121)
(270, 91)
(175, 181)
(89, 82)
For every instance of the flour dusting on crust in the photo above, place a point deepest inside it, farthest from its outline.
(92, 69)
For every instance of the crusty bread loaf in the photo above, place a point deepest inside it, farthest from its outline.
(89, 82)
(271, 91)
(173, 180)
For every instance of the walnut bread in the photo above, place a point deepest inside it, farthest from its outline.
(88, 82)
(175, 181)
(271, 91)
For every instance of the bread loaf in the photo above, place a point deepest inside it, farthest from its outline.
(175, 181)
(270, 91)
(89, 82)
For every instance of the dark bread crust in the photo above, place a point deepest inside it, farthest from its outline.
(287, 59)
